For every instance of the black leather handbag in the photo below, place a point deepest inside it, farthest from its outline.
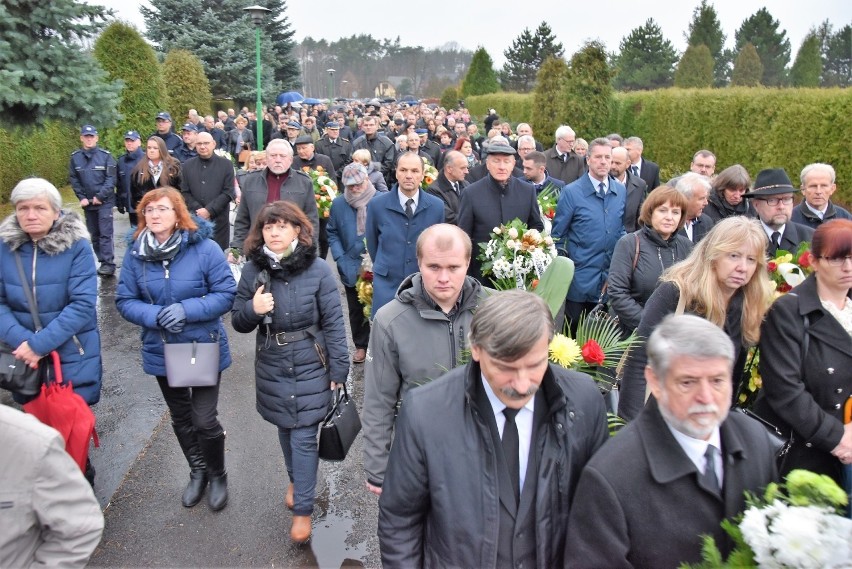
(340, 427)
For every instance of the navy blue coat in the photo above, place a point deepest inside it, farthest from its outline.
(66, 293)
(347, 247)
(198, 277)
(392, 239)
(588, 227)
(91, 174)
(126, 163)
(292, 384)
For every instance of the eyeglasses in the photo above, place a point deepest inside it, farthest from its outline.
(775, 201)
(161, 209)
(837, 261)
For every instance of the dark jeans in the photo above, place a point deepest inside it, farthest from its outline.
(193, 405)
(99, 224)
(301, 455)
(357, 321)
(323, 238)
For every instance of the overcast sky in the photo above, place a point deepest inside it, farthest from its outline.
(433, 23)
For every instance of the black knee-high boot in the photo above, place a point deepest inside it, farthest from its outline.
(189, 444)
(214, 455)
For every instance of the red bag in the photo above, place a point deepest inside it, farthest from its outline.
(59, 407)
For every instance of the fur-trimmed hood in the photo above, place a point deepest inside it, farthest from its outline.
(298, 262)
(66, 231)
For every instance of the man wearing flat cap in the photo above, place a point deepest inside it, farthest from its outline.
(772, 199)
(497, 198)
(335, 147)
(307, 159)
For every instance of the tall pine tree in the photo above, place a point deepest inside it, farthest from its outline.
(646, 59)
(480, 78)
(772, 46)
(525, 56)
(127, 57)
(45, 73)
(807, 67)
(837, 58)
(706, 29)
(747, 68)
(695, 68)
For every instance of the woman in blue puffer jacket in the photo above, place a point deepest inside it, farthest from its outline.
(291, 298)
(176, 284)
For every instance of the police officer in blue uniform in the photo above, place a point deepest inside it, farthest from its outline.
(126, 162)
(92, 175)
(164, 131)
(186, 150)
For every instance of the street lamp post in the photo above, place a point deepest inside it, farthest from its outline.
(258, 15)
(330, 84)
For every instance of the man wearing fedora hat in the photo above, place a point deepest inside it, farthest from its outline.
(772, 199)
(497, 198)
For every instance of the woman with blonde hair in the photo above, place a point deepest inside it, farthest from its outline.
(374, 173)
(724, 280)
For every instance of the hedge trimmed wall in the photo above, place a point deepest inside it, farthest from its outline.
(42, 151)
(756, 127)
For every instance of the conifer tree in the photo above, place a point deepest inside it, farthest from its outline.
(807, 68)
(706, 29)
(525, 56)
(187, 86)
(588, 89)
(772, 46)
(646, 59)
(747, 68)
(548, 109)
(695, 69)
(480, 78)
(45, 73)
(837, 58)
(127, 57)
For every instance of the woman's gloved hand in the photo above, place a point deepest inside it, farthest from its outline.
(172, 318)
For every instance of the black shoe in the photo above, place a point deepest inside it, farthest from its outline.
(189, 444)
(106, 270)
(90, 473)
(195, 489)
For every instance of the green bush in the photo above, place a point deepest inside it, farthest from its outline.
(756, 127)
(42, 151)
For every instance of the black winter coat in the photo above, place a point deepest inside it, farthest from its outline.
(292, 384)
(718, 209)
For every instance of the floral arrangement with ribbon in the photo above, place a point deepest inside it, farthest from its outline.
(515, 256)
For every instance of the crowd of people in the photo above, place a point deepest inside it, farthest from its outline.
(531, 479)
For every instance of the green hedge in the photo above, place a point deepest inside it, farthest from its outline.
(42, 151)
(756, 127)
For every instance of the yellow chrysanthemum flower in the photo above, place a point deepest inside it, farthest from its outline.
(564, 350)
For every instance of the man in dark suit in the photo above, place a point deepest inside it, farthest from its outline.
(494, 200)
(521, 430)
(772, 199)
(636, 187)
(207, 186)
(395, 220)
(690, 461)
(450, 184)
(695, 188)
(645, 169)
(562, 162)
(818, 185)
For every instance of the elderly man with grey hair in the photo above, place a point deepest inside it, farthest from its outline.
(562, 162)
(818, 185)
(639, 166)
(483, 469)
(689, 462)
(696, 189)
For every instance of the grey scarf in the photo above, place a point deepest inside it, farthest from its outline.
(359, 202)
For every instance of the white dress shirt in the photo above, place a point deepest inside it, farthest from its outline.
(695, 449)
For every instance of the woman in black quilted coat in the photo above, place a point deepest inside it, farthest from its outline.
(291, 298)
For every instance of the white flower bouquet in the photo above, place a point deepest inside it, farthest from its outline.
(515, 256)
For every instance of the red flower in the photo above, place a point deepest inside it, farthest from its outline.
(771, 266)
(784, 287)
(368, 276)
(534, 283)
(805, 260)
(592, 353)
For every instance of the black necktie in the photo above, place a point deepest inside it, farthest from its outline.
(602, 190)
(511, 450)
(564, 158)
(709, 479)
(455, 186)
(776, 241)
(409, 208)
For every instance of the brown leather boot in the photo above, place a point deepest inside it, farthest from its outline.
(288, 499)
(300, 531)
